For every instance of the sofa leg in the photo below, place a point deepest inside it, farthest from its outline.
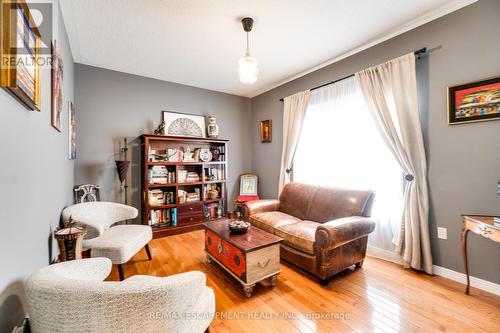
(120, 272)
(324, 282)
(359, 264)
(148, 252)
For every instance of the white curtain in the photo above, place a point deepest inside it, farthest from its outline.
(340, 146)
(390, 91)
(293, 117)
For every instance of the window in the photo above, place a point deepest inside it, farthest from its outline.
(341, 147)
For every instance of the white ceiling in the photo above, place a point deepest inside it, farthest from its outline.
(199, 42)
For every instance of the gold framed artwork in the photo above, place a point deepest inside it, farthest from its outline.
(266, 131)
(71, 131)
(474, 101)
(20, 53)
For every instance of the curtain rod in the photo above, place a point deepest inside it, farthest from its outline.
(418, 52)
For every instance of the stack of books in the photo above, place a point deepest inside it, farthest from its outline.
(496, 221)
(192, 177)
(157, 197)
(159, 174)
(192, 196)
(163, 217)
(165, 155)
(214, 173)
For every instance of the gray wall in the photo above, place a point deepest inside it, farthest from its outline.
(36, 182)
(464, 160)
(113, 105)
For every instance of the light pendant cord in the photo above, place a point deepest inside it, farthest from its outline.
(247, 42)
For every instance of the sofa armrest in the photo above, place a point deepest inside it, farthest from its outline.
(259, 206)
(341, 231)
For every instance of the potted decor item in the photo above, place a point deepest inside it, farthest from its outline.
(212, 127)
(213, 193)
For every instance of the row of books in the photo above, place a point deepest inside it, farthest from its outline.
(185, 176)
(157, 197)
(213, 210)
(188, 196)
(215, 173)
(159, 174)
(163, 217)
(496, 221)
(165, 155)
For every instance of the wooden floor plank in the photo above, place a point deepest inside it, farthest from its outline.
(380, 297)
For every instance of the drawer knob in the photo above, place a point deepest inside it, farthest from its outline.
(264, 265)
(190, 208)
(219, 246)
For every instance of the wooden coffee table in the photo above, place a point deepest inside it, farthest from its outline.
(249, 258)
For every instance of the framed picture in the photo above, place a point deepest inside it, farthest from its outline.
(184, 124)
(20, 51)
(475, 101)
(266, 131)
(248, 184)
(71, 131)
(57, 83)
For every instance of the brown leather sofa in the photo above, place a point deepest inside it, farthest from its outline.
(324, 230)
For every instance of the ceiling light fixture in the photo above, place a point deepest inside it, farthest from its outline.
(248, 66)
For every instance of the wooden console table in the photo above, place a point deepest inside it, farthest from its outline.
(481, 225)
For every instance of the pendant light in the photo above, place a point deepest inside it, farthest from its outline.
(247, 66)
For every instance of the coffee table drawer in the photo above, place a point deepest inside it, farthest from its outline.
(228, 255)
(263, 262)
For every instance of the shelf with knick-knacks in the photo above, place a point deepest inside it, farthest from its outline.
(189, 175)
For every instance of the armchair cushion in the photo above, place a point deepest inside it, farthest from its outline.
(300, 235)
(260, 206)
(119, 243)
(341, 231)
(272, 220)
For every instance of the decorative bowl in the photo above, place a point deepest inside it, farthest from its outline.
(238, 227)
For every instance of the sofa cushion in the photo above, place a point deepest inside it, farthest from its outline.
(119, 243)
(295, 199)
(270, 220)
(299, 235)
(329, 203)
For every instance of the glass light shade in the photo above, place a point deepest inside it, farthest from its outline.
(248, 69)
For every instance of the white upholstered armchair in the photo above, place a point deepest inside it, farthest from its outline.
(118, 243)
(72, 297)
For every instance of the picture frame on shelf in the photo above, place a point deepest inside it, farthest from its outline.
(266, 131)
(57, 83)
(184, 124)
(474, 101)
(20, 51)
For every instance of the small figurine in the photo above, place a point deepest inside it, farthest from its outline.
(212, 127)
(160, 130)
(219, 211)
(187, 156)
(213, 193)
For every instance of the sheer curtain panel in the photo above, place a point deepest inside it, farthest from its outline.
(293, 117)
(390, 91)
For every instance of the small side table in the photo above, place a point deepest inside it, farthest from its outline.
(70, 241)
(481, 225)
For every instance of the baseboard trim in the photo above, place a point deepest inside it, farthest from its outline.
(387, 255)
(460, 277)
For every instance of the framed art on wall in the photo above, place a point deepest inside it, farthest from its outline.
(20, 53)
(475, 101)
(57, 82)
(184, 124)
(71, 131)
(266, 131)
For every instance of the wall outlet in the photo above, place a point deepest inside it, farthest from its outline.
(442, 233)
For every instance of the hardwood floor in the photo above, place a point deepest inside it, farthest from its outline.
(380, 297)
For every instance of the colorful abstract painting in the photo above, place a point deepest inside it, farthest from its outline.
(476, 101)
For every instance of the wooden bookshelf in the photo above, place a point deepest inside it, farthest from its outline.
(190, 215)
